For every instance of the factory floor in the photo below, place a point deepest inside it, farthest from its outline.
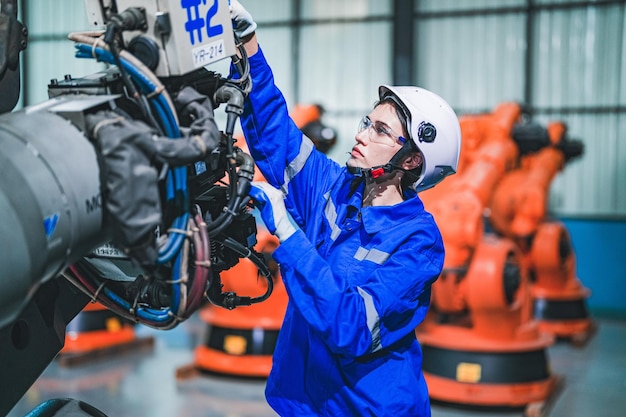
(143, 382)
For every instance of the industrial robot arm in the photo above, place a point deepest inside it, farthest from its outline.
(121, 188)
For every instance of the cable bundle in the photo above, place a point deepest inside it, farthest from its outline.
(188, 236)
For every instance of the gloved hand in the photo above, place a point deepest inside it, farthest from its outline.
(243, 23)
(271, 202)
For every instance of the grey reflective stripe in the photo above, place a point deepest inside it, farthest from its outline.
(373, 320)
(331, 215)
(295, 166)
(372, 255)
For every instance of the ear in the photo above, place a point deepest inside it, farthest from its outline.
(412, 161)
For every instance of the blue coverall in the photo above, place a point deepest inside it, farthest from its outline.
(358, 278)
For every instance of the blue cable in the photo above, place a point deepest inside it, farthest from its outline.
(159, 316)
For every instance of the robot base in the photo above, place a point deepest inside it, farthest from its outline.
(465, 369)
(98, 333)
(534, 398)
(237, 352)
(242, 346)
(565, 319)
(510, 379)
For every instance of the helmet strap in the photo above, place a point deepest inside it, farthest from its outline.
(405, 151)
(373, 172)
(380, 170)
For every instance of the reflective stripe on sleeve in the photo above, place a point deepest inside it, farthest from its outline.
(295, 166)
(373, 320)
(372, 255)
(331, 216)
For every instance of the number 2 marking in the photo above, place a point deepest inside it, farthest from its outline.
(213, 30)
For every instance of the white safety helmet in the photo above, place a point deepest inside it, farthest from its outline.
(433, 127)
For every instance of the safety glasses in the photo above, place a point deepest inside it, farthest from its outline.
(379, 132)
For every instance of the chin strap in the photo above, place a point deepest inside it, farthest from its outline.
(373, 172)
(380, 170)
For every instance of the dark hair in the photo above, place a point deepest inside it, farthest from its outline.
(399, 112)
(412, 175)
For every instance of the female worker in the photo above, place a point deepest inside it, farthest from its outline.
(359, 263)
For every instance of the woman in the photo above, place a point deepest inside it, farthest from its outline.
(359, 262)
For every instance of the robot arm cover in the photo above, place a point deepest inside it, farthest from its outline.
(127, 150)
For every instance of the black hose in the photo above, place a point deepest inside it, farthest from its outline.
(230, 299)
(240, 183)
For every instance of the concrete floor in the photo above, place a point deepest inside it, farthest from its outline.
(143, 383)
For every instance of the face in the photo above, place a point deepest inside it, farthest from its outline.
(385, 128)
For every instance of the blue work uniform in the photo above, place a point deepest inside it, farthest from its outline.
(358, 278)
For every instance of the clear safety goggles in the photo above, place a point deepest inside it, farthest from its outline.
(379, 132)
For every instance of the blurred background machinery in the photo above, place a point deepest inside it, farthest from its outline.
(98, 333)
(519, 211)
(482, 344)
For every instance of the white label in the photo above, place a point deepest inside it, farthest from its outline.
(208, 53)
(109, 251)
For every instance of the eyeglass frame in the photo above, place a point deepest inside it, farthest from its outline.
(379, 130)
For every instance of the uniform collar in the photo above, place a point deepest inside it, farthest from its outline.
(378, 218)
